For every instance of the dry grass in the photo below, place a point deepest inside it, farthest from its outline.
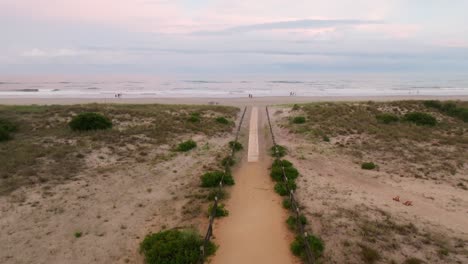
(45, 150)
(426, 152)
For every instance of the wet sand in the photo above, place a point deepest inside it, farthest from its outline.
(259, 101)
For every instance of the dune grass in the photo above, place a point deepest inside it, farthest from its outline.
(44, 148)
(427, 141)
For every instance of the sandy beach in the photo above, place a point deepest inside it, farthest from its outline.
(259, 101)
(128, 182)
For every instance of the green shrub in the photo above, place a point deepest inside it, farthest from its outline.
(278, 151)
(368, 166)
(285, 163)
(299, 120)
(433, 104)
(174, 247)
(217, 192)
(296, 107)
(90, 121)
(78, 234)
(292, 221)
(277, 173)
(4, 135)
(186, 146)
(387, 118)
(235, 145)
(287, 203)
(194, 119)
(421, 119)
(326, 138)
(281, 188)
(220, 211)
(449, 108)
(315, 243)
(222, 120)
(212, 179)
(8, 126)
(228, 161)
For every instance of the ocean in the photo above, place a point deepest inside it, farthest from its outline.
(148, 86)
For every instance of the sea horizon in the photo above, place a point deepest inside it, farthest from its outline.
(235, 86)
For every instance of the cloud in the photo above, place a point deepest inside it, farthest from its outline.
(52, 53)
(293, 24)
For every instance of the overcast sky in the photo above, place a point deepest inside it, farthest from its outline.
(236, 36)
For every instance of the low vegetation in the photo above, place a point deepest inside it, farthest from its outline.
(387, 118)
(299, 120)
(278, 151)
(368, 166)
(45, 150)
(212, 179)
(219, 212)
(420, 119)
(315, 243)
(287, 203)
(292, 221)
(174, 247)
(235, 145)
(222, 120)
(6, 129)
(186, 146)
(282, 188)
(411, 136)
(290, 171)
(90, 121)
(228, 161)
(449, 108)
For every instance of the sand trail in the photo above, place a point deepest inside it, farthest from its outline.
(255, 231)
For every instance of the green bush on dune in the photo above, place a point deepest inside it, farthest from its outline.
(278, 151)
(277, 173)
(292, 221)
(6, 128)
(387, 118)
(174, 247)
(315, 243)
(228, 161)
(449, 108)
(90, 121)
(186, 146)
(212, 179)
(299, 120)
(281, 188)
(235, 145)
(368, 166)
(219, 212)
(222, 120)
(4, 135)
(420, 119)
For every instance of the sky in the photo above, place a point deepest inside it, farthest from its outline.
(232, 37)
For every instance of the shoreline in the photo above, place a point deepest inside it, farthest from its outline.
(267, 100)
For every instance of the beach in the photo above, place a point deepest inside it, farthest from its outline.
(260, 101)
(92, 197)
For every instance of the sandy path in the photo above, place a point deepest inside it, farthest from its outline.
(255, 231)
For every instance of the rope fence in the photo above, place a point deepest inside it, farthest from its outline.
(295, 207)
(227, 169)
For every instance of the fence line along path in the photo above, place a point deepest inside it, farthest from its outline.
(255, 230)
